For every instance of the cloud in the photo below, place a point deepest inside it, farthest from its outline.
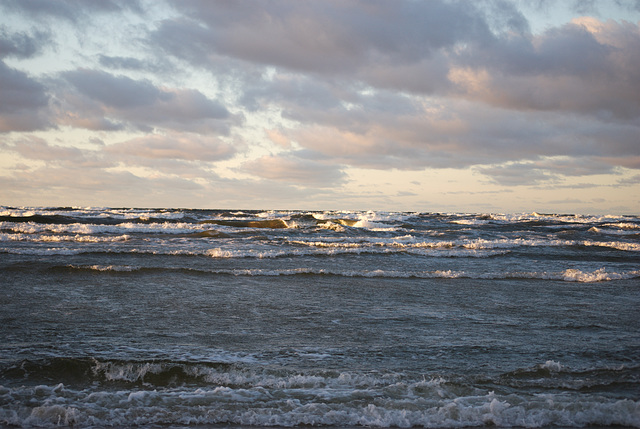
(118, 92)
(398, 132)
(576, 166)
(20, 44)
(518, 174)
(23, 101)
(174, 154)
(634, 180)
(98, 100)
(35, 148)
(294, 169)
(324, 37)
(71, 10)
(287, 89)
(31, 147)
(459, 85)
(548, 171)
(61, 185)
(188, 147)
(586, 67)
(330, 88)
(158, 66)
(444, 48)
(122, 62)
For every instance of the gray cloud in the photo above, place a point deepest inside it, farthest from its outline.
(122, 62)
(586, 67)
(459, 135)
(23, 101)
(294, 169)
(570, 49)
(21, 45)
(321, 36)
(71, 10)
(516, 174)
(635, 180)
(99, 100)
(547, 171)
(115, 91)
(291, 89)
(158, 66)
(18, 92)
(443, 48)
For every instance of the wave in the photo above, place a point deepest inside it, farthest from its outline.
(25, 225)
(480, 248)
(93, 213)
(553, 218)
(87, 392)
(81, 228)
(176, 222)
(303, 221)
(246, 371)
(568, 275)
(78, 238)
(627, 231)
(476, 244)
(256, 252)
(229, 229)
(623, 225)
(271, 223)
(109, 214)
(126, 244)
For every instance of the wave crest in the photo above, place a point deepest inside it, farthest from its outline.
(121, 393)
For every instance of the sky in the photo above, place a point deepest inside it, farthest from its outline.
(502, 106)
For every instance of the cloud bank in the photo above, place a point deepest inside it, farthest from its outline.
(287, 97)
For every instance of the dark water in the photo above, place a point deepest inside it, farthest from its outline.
(124, 317)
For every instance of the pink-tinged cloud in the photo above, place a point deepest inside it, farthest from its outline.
(295, 170)
(34, 148)
(586, 66)
(189, 147)
(31, 147)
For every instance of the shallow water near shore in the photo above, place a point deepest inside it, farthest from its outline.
(214, 318)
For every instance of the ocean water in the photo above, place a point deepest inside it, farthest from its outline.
(174, 317)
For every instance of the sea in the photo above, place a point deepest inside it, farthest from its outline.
(173, 318)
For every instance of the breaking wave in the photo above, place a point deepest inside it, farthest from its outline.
(89, 392)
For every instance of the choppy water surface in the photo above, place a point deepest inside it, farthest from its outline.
(282, 318)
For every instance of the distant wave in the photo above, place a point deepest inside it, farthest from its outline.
(568, 275)
(292, 218)
(49, 238)
(342, 245)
